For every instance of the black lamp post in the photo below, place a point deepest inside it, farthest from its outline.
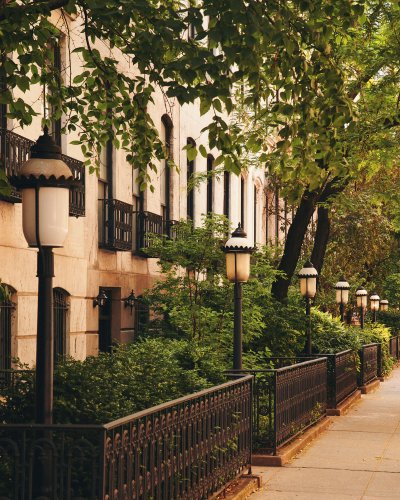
(45, 181)
(362, 299)
(384, 305)
(238, 250)
(308, 287)
(342, 295)
(374, 302)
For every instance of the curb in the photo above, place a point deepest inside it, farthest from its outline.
(345, 405)
(287, 452)
(240, 488)
(371, 387)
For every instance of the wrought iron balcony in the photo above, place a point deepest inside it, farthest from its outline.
(115, 224)
(147, 224)
(15, 150)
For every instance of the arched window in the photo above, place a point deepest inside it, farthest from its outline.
(165, 178)
(210, 184)
(227, 194)
(60, 318)
(6, 310)
(189, 175)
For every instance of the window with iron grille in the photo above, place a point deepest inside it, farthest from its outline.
(142, 317)
(60, 318)
(6, 310)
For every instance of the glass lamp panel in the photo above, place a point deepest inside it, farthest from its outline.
(53, 216)
(243, 266)
(338, 296)
(303, 286)
(238, 266)
(384, 306)
(345, 296)
(374, 305)
(359, 300)
(230, 266)
(364, 301)
(311, 287)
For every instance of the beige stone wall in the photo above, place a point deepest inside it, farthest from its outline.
(80, 266)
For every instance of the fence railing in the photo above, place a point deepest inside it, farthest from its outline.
(286, 401)
(394, 347)
(342, 376)
(369, 363)
(186, 448)
(115, 224)
(15, 150)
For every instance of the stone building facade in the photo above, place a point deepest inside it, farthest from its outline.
(108, 224)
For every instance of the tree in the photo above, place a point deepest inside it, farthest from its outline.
(329, 138)
(273, 49)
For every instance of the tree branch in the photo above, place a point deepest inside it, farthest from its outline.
(50, 5)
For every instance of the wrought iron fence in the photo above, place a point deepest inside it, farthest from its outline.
(115, 224)
(186, 448)
(369, 363)
(287, 400)
(51, 462)
(15, 150)
(394, 347)
(342, 376)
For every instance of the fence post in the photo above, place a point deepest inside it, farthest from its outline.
(361, 352)
(379, 361)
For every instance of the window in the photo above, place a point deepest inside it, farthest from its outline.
(60, 318)
(105, 189)
(210, 184)
(242, 201)
(190, 191)
(6, 310)
(165, 180)
(227, 193)
(142, 317)
(255, 208)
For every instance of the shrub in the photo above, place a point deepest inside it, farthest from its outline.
(100, 389)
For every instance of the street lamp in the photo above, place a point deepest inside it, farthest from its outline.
(362, 299)
(342, 295)
(374, 301)
(384, 305)
(44, 181)
(308, 287)
(237, 251)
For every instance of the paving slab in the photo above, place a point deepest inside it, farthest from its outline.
(358, 457)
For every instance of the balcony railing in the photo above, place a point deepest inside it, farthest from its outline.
(187, 448)
(115, 225)
(15, 150)
(147, 224)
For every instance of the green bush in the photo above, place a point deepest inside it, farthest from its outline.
(100, 389)
(391, 319)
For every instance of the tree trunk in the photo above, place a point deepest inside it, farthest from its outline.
(321, 238)
(294, 241)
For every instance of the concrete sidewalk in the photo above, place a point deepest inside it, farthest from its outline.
(358, 457)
